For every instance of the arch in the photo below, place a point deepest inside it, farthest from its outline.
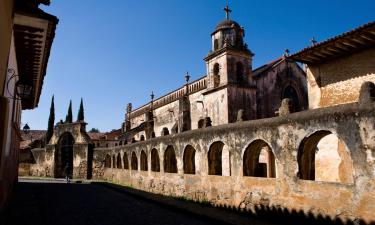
(114, 161)
(259, 160)
(165, 131)
(170, 161)
(155, 162)
(119, 166)
(120, 143)
(143, 161)
(189, 160)
(107, 161)
(134, 161)
(216, 71)
(64, 155)
(215, 158)
(239, 73)
(323, 156)
(152, 134)
(291, 93)
(142, 138)
(216, 44)
(125, 161)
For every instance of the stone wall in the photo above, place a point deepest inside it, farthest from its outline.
(289, 138)
(338, 81)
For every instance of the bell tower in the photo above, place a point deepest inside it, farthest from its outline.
(230, 60)
(230, 88)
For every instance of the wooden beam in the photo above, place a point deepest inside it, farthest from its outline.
(347, 43)
(359, 41)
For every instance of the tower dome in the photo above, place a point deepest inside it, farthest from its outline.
(228, 33)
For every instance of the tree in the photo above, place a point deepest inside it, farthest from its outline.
(81, 113)
(69, 116)
(51, 120)
(94, 130)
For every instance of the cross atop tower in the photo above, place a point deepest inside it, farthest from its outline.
(227, 11)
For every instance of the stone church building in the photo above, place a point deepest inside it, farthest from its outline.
(230, 91)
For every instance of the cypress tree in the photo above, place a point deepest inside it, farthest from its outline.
(51, 120)
(81, 113)
(69, 116)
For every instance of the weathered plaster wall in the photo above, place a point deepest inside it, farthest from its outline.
(353, 125)
(338, 81)
(271, 85)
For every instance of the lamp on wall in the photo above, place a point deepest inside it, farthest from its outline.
(23, 86)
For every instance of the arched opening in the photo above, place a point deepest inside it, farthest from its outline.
(324, 157)
(114, 161)
(152, 134)
(64, 155)
(143, 161)
(155, 162)
(134, 161)
(259, 160)
(239, 73)
(120, 143)
(119, 166)
(189, 160)
(170, 161)
(142, 138)
(291, 93)
(216, 71)
(107, 161)
(215, 158)
(165, 131)
(216, 44)
(125, 160)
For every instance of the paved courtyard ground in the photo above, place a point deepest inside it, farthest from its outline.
(58, 203)
(53, 202)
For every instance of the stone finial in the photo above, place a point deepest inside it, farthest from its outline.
(207, 122)
(285, 107)
(129, 108)
(366, 94)
(241, 115)
(313, 41)
(286, 53)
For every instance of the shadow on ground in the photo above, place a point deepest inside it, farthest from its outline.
(260, 214)
(54, 202)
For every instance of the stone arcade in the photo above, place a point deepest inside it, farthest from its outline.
(195, 142)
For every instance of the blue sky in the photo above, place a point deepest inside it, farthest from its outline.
(114, 52)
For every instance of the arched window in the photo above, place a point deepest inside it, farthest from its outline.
(239, 73)
(114, 161)
(119, 166)
(323, 156)
(107, 162)
(143, 161)
(165, 131)
(291, 93)
(189, 160)
(214, 158)
(120, 143)
(170, 161)
(155, 162)
(126, 162)
(259, 160)
(142, 138)
(152, 134)
(134, 161)
(216, 44)
(216, 71)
